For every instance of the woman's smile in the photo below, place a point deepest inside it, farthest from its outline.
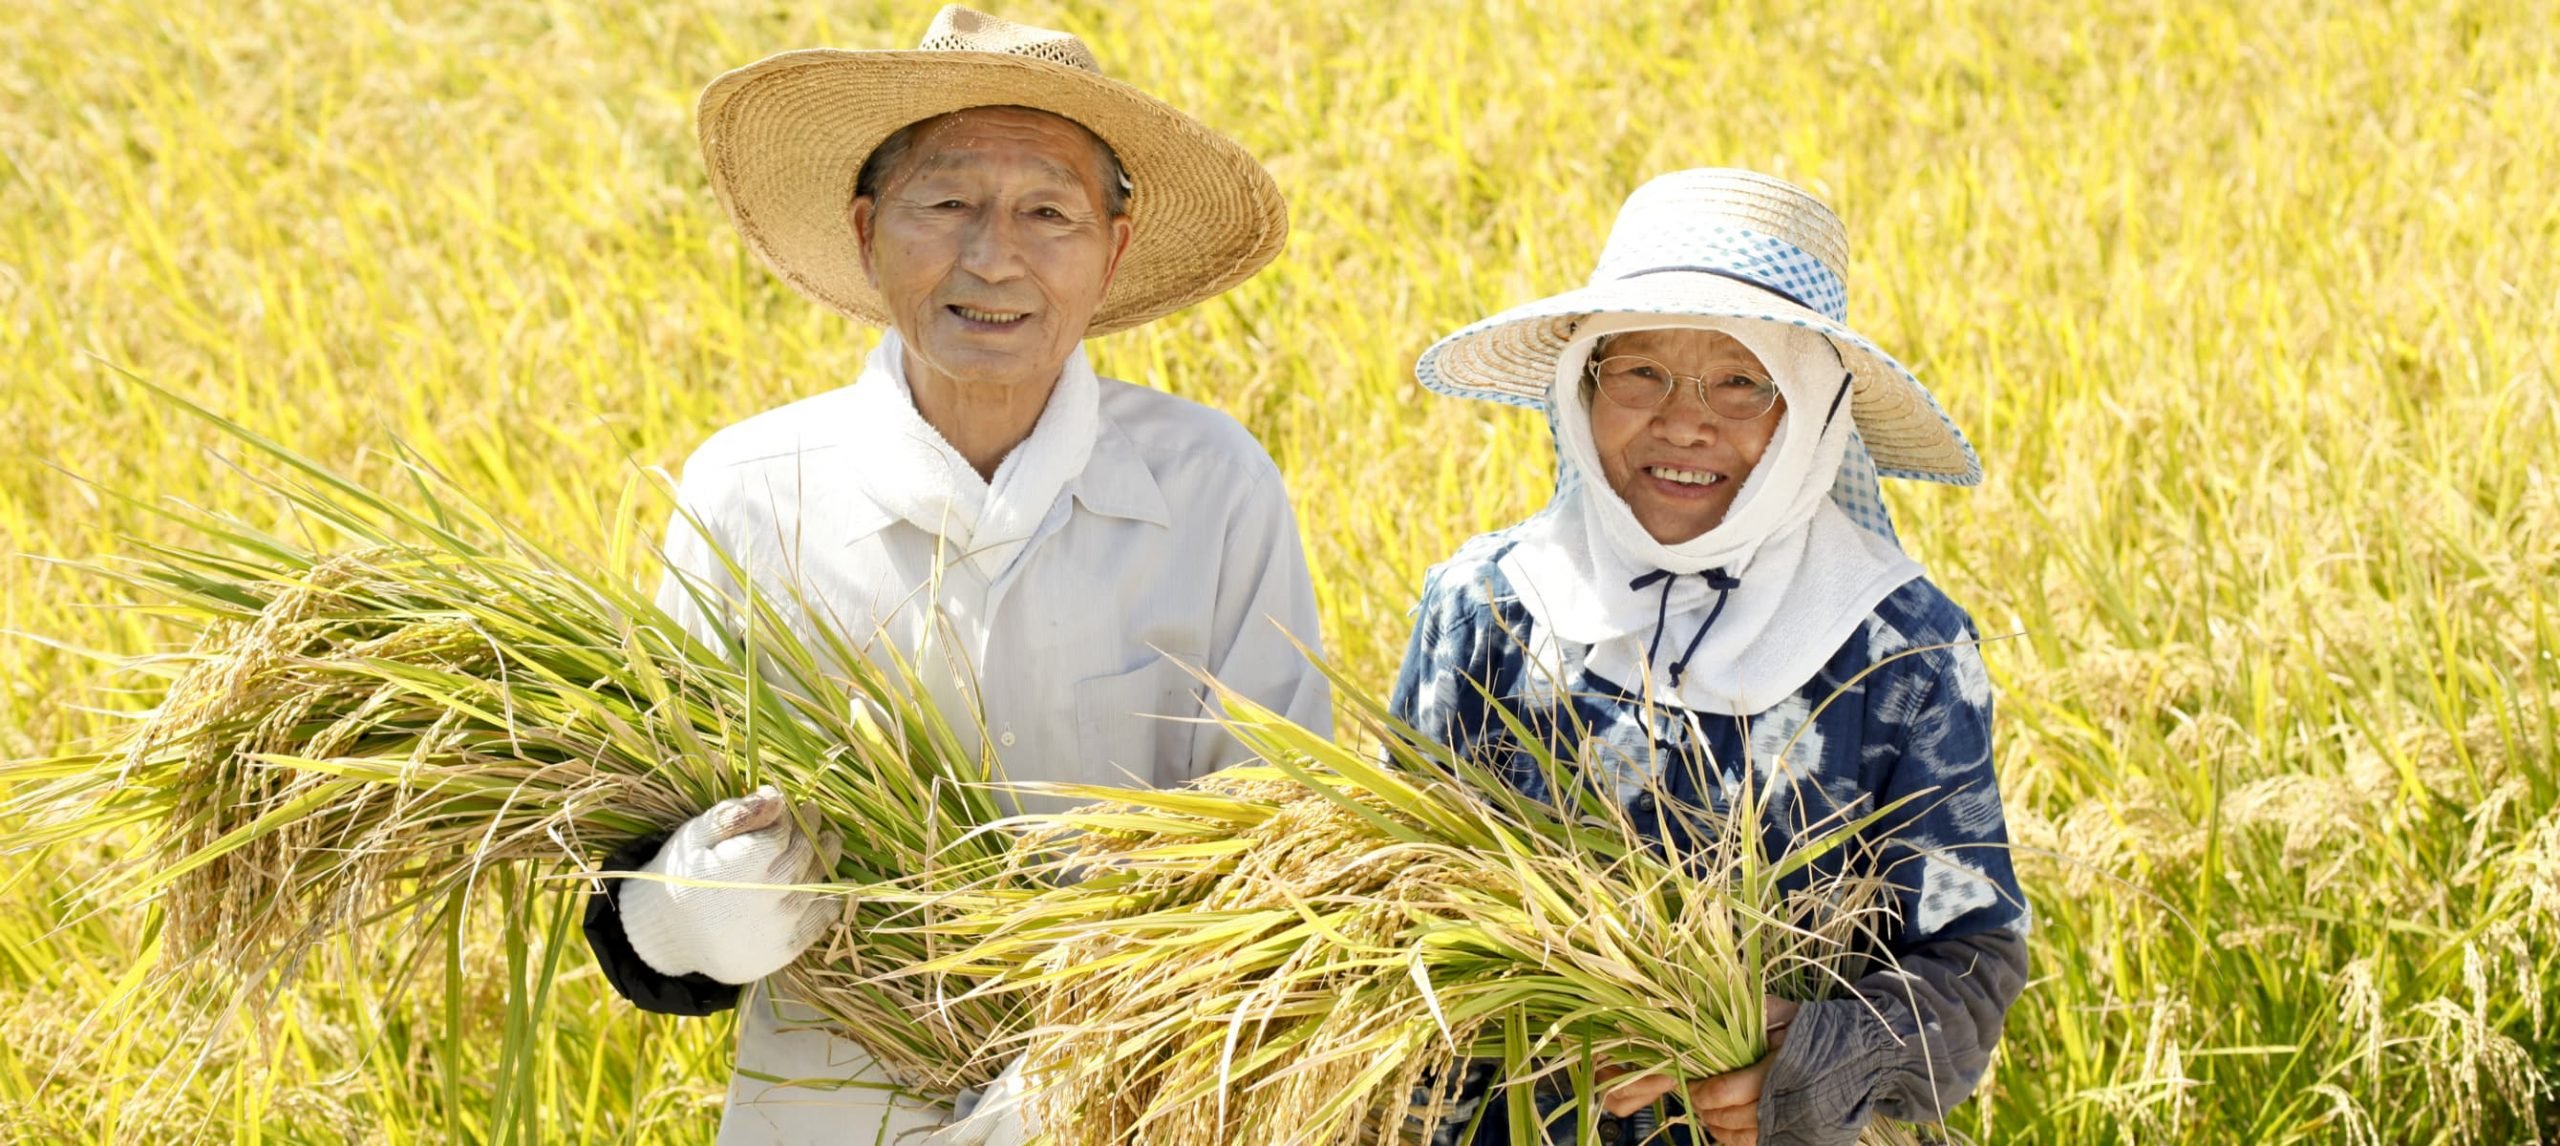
(1682, 481)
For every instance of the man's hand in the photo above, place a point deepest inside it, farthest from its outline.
(732, 934)
(1729, 1103)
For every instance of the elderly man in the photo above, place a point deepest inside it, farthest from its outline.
(1052, 550)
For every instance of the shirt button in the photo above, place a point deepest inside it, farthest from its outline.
(1006, 740)
(1610, 1131)
(1644, 804)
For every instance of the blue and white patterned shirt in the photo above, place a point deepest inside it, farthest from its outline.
(1903, 709)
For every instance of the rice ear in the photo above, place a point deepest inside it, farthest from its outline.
(416, 710)
(419, 712)
(1292, 951)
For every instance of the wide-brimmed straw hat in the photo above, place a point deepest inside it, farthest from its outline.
(1722, 243)
(786, 135)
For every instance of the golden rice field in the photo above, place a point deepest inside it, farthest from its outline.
(2253, 311)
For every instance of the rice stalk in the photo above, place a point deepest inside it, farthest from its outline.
(1302, 952)
(422, 708)
(367, 730)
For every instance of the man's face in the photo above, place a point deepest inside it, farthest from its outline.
(991, 244)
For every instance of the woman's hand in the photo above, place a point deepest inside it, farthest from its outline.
(1729, 1103)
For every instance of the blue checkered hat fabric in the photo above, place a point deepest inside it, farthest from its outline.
(1860, 495)
(1740, 252)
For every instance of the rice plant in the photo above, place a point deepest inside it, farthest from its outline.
(2249, 309)
(418, 706)
(373, 725)
(1314, 950)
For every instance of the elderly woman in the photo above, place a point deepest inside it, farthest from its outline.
(1055, 552)
(1716, 587)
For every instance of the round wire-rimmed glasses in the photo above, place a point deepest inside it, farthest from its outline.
(1640, 383)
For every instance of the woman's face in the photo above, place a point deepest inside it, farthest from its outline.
(1678, 463)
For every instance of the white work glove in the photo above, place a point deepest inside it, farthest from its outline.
(999, 1118)
(732, 934)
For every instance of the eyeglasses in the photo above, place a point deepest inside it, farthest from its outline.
(1640, 383)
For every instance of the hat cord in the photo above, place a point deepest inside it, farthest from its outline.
(1720, 272)
(1717, 579)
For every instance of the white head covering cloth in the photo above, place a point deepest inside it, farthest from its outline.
(1809, 575)
(910, 470)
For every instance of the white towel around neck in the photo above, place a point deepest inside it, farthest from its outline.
(1810, 576)
(910, 470)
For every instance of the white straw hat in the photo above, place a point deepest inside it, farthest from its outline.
(1725, 243)
(786, 135)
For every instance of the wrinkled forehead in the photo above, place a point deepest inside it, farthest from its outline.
(986, 138)
(1682, 348)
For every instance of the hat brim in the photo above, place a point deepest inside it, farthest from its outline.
(1511, 357)
(784, 138)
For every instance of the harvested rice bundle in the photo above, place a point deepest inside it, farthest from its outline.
(374, 734)
(1292, 953)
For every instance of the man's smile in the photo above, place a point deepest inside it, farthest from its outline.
(998, 319)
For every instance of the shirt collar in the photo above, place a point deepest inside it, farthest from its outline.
(864, 517)
(1116, 481)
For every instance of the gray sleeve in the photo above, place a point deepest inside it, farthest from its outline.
(1909, 1046)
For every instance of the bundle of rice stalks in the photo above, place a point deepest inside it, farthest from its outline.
(1308, 951)
(363, 738)
(429, 706)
